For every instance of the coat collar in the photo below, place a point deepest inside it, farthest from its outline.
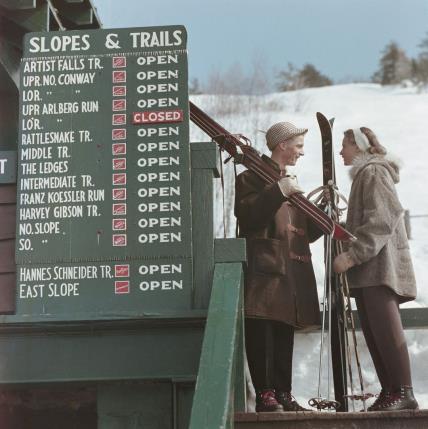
(274, 165)
(390, 162)
(270, 162)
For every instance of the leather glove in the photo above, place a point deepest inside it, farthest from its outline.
(289, 186)
(342, 263)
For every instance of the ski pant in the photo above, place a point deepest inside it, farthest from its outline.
(378, 310)
(269, 347)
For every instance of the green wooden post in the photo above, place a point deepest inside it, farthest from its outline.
(235, 251)
(213, 403)
(240, 383)
(204, 161)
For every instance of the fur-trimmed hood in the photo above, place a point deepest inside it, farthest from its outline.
(392, 163)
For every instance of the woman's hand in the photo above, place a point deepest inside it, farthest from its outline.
(342, 263)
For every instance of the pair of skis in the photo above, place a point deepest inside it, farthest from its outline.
(333, 300)
(341, 320)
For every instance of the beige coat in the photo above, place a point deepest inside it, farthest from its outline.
(376, 218)
(279, 279)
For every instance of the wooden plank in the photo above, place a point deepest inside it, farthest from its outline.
(164, 352)
(7, 256)
(10, 31)
(79, 14)
(30, 19)
(321, 420)
(7, 88)
(183, 403)
(8, 222)
(240, 403)
(230, 250)
(18, 4)
(10, 57)
(7, 293)
(205, 155)
(134, 406)
(8, 194)
(203, 166)
(214, 385)
(412, 318)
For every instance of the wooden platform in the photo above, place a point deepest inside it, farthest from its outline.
(326, 420)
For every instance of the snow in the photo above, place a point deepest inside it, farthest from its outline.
(398, 117)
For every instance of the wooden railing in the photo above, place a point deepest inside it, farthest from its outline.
(412, 318)
(220, 386)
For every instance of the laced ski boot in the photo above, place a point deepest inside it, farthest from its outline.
(288, 402)
(382, 396)
(266, 401)
(400, 400)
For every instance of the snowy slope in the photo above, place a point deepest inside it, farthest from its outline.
(398, 117)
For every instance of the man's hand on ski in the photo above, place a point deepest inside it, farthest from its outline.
(289, 186)
(342, 262)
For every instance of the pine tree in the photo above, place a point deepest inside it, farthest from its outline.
(307, 77)
(422, 62)
(423, 48)
(288, 80)
(312, 78)
(394, 66)
(194, 87)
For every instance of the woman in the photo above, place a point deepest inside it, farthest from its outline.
(378, 264)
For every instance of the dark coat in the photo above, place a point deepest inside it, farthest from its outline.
(279, 277)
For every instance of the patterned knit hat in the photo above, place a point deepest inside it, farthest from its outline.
(282, 131)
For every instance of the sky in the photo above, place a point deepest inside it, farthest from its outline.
(342, 38)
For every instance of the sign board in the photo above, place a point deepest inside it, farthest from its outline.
(103, 205)
(7, 166)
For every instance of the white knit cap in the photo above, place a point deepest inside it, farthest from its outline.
(282, 131)
(361, 139)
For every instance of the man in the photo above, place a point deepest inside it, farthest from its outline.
(280, 286)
